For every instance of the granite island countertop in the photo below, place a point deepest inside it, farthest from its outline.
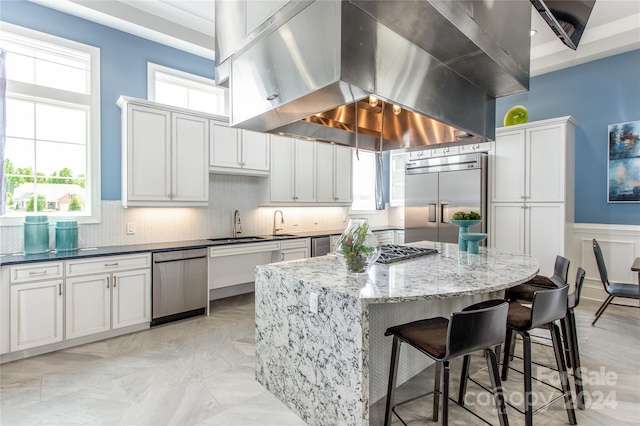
(444, 274)
(328, 361)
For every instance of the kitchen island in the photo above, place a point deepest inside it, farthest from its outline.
(329, 366)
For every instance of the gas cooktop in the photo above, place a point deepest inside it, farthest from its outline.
(392, 253)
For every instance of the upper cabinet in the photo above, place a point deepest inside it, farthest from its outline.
(307, 173)
(234, 151)
(165, 155)
(333, 174)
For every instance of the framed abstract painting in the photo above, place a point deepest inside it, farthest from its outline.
(624, 162)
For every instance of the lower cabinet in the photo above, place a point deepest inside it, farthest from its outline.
(294, 249)
(36, 314)
(385, 237)
(57, 301)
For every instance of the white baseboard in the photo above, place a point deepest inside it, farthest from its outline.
(620, 246)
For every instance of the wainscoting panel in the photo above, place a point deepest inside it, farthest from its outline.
(620, 245)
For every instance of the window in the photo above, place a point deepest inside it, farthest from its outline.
(364, 181)
(51, 156)
(184, 90)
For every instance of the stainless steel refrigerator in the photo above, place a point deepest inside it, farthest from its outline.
(436, 188)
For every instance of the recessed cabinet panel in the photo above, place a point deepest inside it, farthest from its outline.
(131, 298)
(150, 143)
(343, 178)
(508, 167)
(36, 314)
(282, 169)
(545, 164)
(255, 150)
(305, 171)
(325, 176)
(225, 146)
(190, 174)
(87, 305)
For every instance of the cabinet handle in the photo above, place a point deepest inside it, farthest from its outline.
(107, 282)
(115, 281)
(59, 289)
(281, 256)
(38, 272)
(272, 96)
(111, 264)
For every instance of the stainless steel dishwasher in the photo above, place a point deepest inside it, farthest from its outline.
(179, 285)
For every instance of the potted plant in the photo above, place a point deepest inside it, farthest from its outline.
(357, 247)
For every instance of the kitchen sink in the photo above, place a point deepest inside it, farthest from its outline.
(236, 240)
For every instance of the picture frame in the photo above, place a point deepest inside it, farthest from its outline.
(623, 172)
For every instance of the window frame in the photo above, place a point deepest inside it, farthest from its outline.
(373, 179)
(90, 101)
(153, 68)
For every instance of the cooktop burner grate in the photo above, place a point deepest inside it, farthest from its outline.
(392, 253)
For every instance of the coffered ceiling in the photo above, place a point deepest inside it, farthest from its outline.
(614, 27)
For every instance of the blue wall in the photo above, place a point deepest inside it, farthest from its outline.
(123, 70)
(596, 94)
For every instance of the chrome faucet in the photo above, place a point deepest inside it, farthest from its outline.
(237, 225)
(275, 227)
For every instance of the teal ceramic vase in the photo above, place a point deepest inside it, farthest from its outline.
(472, 239)
(464, 229)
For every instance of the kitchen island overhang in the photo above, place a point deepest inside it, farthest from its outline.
(329, 366)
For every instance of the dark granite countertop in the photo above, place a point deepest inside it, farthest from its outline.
(18, 258)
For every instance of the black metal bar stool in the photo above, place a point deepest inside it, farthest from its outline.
(444, 339)
(540, 282)
(571, 334)
(547, 307)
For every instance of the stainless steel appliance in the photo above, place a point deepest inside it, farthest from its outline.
(390, 253)
(320, 246)
(179, 285)
(436, 188)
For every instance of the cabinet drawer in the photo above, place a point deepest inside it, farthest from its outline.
(108, 264)
(243, 248)
(290, 244)
(39, 271)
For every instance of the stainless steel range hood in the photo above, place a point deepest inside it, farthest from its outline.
(310, 68)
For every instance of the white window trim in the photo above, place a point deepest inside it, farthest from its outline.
(151, 78)
(353, 211)
(93, 147)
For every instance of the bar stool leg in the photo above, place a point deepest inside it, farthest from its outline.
(436, 391)
(463, 379)
(577, 369)
(562, 370)
(393, 373)
(445, 393)
(498, 395)
(507, 354)
(528, 395)
(566, 341)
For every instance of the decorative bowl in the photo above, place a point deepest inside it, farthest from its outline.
(464, 223)
(472, 239)
(516, 115)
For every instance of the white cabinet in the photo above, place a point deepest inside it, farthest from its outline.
(333, 174)
(292, 178)
(107, 293)
(165, 155)
(36, 314)
(475, 147)
(385, 237)
(399, 237)
(235, 264)
(234, 151)
(294, 249)
(397, 178)
(420, 154)
(532, 189)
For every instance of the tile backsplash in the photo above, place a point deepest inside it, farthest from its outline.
(227, 193)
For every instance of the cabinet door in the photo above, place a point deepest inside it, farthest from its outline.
(190, 171)
(508, 167)
(396, 178)
(224, 150)
(305, 171)
(294, 254)
(131, 298)
(545, 166)
(325, 173)
(343, 177)
(36, 314)
(87, 305)
(545, 234)
(255, 150)
(148, 154)
(508, 227)
(282, 169)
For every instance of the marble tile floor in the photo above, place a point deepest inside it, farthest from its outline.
(200, 372)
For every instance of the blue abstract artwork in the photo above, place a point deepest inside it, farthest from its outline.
(624, 162)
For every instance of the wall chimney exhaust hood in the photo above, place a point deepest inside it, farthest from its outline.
(309, 68)
(567, 18)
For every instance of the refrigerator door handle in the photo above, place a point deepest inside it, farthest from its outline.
(432, 212)
(444, 212)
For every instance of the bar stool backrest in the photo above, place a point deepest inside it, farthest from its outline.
(560, 271)
(478, 329)
(548, 306)
(580, 273)
(604, 277)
